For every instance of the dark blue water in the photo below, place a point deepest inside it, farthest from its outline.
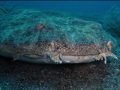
(65, 6)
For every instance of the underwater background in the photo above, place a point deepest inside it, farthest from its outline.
(65, 6)
(17, 75)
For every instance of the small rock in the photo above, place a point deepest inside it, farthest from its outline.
(92, 66)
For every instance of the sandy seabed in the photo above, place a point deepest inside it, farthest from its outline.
(16, 75)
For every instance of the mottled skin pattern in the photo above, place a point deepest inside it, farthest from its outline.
(52, 47)
(56, 51)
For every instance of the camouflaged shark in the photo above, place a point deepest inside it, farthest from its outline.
(58, 53)
(53, 37)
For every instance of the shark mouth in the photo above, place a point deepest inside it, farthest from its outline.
(77, 59)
